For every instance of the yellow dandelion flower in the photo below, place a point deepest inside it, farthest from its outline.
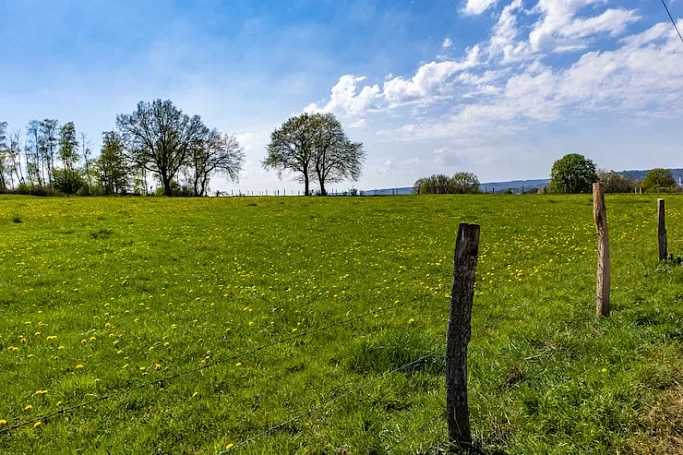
(3, 422)
(238, 364)
(411, 320)
(83, 341)
(229, 446)
(41, 392)
(195, 394)
(28, 407)
(151, 348)
(51, 337)
(37, 424)
(604, 370)
(59, 348)
(119, 352)
(12, 349)
(92, 338)
(166, 344)
(79, 366)
(173, 326)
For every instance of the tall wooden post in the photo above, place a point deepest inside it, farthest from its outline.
(661, 230)
(459, 332)
(603, 281)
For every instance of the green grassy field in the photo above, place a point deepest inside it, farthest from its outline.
(155, 311)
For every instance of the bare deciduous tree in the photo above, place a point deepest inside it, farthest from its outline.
(216, 153)
(160, 138)
(314, 147)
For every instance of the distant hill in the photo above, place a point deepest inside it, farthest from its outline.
(516, 186)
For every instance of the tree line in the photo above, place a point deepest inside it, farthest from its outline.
(459, 183)
(571, 174)
(574, 173)
(158, 149)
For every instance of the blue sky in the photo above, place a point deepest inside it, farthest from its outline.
(500, 88)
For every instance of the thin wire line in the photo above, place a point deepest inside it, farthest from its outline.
(672, 20)
(327, 403)
(422, 427)
(202, 367)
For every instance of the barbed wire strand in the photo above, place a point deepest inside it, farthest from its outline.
(212, 364)
(216, 362)
(440, 415)
(327, 403)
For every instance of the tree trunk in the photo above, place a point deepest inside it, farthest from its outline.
(323, 191)
(167, 186)
(306, 184)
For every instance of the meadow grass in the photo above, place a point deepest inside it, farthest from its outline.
(154, 311)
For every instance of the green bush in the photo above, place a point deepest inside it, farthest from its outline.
(67, 182)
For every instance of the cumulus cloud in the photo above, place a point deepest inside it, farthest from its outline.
(645, 74)
(505, 83)
(447, 43)
(474, 7)
(430, 82)
(559, 28)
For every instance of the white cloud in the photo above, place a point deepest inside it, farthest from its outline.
(559, 29)
(645, 75)
(447, 43)
(360, 123)
(475, 7)
(430, 82)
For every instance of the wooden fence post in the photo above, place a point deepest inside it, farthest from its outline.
(458, 333)
(603, 281)
(661, 230)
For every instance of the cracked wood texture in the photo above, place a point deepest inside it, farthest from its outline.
(661, 230)
(459, 332)
(603, 281)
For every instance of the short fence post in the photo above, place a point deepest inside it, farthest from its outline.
(603, 281)
(661, 230)
(459, 332)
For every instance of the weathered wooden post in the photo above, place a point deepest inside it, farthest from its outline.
(603, 281)
(661, 230)
(458, 333)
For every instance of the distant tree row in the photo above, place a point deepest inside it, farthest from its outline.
(156, 143)
(160, 144)
(460, 183)
(574, 173)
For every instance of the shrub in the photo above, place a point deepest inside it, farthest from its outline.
(615, 183)
(67, 182)
(572, 173)
(659, 180)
